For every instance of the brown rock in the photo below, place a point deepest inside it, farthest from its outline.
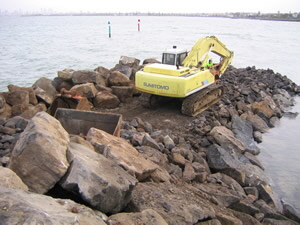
(121, 152)
(124, 93)
(10, 179)
(147, 216)
(17, 97)
(227, 219)
(87, 90)
(24, 207)
(117, 78)
(31, 93)
(257, 122)
(262, 107)
(226, 139)
(177, 203)
(105, 99)
(39, 156)
(178, 159)
(149, 61)
(188, 172)
(19, 109)
(32, 110)
(6, 112)
(85, 76)
(43, 95)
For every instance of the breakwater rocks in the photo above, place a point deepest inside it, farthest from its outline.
(204, 171)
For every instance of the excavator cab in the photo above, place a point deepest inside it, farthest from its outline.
(174, 56)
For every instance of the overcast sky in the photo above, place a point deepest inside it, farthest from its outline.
(184, 6)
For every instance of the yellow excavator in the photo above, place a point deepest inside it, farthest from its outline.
(190, 76)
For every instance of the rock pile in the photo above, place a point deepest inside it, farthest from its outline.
(206, 172)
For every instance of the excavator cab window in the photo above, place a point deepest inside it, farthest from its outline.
(180, 58)
(168, 58)
(174, 59)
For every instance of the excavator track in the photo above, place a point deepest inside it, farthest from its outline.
(149, 101)
(200, 101)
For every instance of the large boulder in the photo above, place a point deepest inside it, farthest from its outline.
(39, 156)
(283, 99)
(124, 93)
(86, 76)
(45, 84)
(105, 99)
(121, 152)
(235, 165)
(147, 216)
(129, 61)
(31, 93)
(10, 179)
(117, 78)
(5, 111)
(65, 74)
(44, 95)
(257, 122)
(98, 180)
(87, 90)
(262, 107)
(243, 131)
(176, 203)
(23, 207)
(32, 110)
(226, 139)
(17, 97)
(124, 69)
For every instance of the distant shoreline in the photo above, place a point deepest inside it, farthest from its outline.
(286, 17)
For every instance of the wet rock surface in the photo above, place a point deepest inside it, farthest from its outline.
(165, 168)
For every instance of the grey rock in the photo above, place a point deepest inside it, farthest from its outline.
(46, 85)
(65, 74)
(44, 95)
(84, 76)
(168, 142)
(98, 180)
(243, 131)
(290, 212)
(235, 165)
(148, 141)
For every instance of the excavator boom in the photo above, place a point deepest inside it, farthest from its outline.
(199, 54)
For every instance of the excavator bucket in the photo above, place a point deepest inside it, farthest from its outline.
(79, 122)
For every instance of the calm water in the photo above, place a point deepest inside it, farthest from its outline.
(32, 47)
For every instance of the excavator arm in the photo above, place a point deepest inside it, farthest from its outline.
(199, 53)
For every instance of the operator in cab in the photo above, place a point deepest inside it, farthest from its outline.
(208, 65)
